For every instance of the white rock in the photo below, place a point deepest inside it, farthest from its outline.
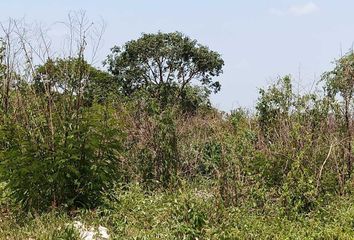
(90, 233)
(78, 224)
(103, 232)
(87, 235)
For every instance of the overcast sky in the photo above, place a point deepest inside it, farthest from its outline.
(259, 40)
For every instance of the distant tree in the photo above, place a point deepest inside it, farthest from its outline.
(340, 85)
(74, 76)
(164, 64)
(274, 104)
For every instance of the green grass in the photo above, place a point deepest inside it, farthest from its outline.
(189, 213)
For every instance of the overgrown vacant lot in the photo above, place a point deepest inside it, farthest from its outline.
(139, 149)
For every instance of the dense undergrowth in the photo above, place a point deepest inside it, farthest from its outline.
(140, 150)
(187, 213)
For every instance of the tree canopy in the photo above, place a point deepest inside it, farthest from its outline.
(74, 75)
(157, 62)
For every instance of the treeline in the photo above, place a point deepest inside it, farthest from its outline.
(70, 133)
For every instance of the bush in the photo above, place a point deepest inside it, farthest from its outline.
(153, 145)
(82, 162)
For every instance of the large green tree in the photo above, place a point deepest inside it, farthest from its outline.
(164, 64)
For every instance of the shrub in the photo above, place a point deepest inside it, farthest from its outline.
(82, 162)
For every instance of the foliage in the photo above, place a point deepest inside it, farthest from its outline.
(70, 75)
(339, 83)
(164, 64)
(158, 158)
(142, 149)
(73, 171)
(274, 105)
(189, 213)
